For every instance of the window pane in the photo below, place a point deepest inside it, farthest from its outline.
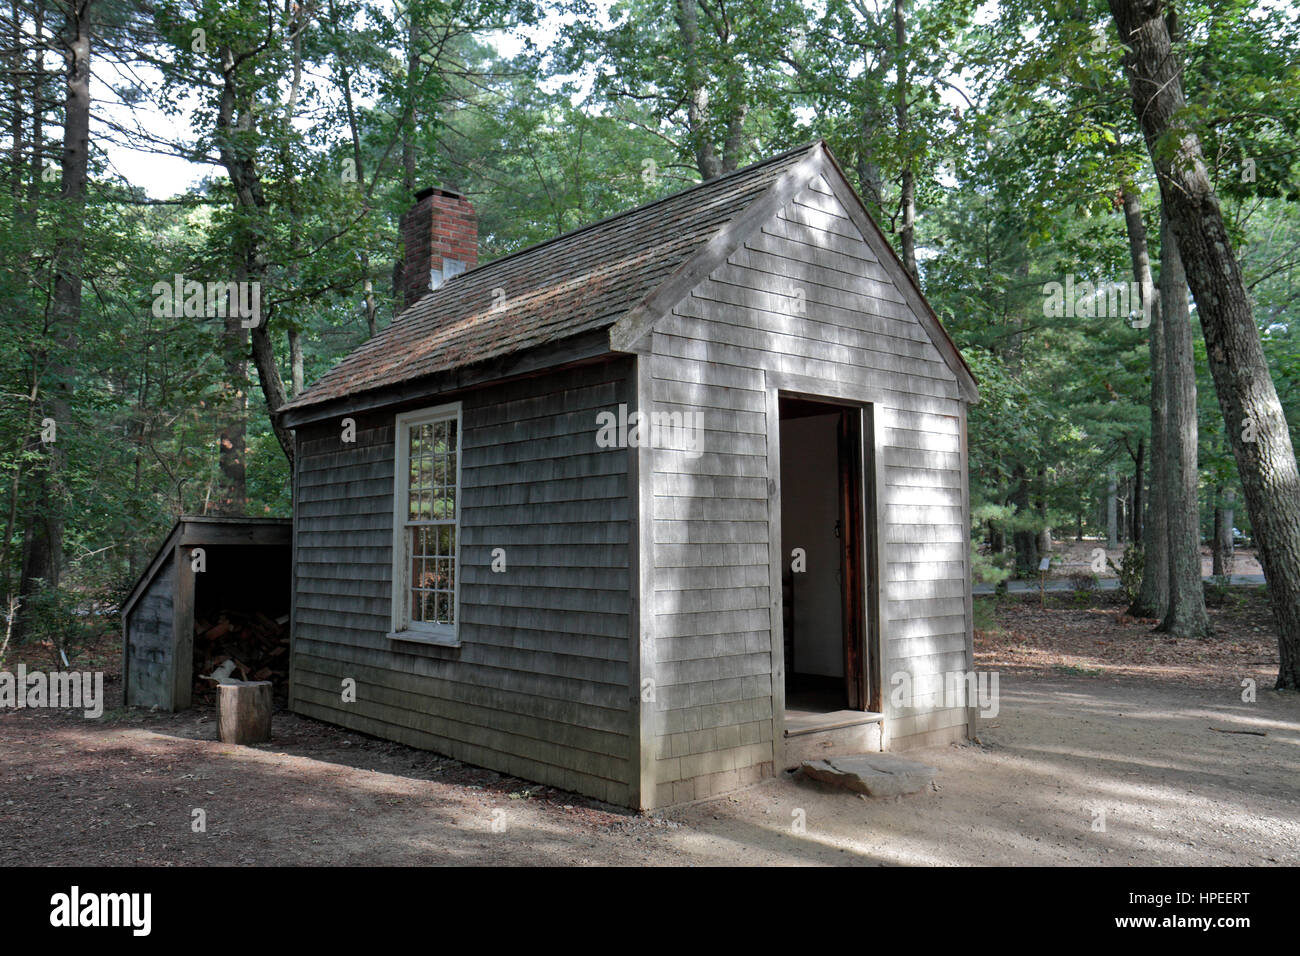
(451, 560)
(431, 497)
(432, 472)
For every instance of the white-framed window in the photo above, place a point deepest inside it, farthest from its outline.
(426, 517)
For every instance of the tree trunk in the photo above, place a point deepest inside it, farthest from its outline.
(291, 18)
(1121, 523)
(240, 165)
(1186, 616)
(17, 64)
(1252, 413)
(39, 81)
(1153, 596)
(697, 97)
(268, 372)
(907, 197)
(43, 541)
(733, 149)
(997, 539)
(409, 115)
(232, 441)
(1112, 510)
(1139, 463)
(295, 361)
(15, 485)
(1045, 531)
(1024, 539)
(870, 178)
(344, 80)
(1224, 501)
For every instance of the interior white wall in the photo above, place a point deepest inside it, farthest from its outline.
(809, 510)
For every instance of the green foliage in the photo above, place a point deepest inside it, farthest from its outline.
(985, 615)
(1020, 141)
(709, 80)
(987, 567)
(62, 620)
(1129, 571)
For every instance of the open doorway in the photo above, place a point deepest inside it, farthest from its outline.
(829, 587)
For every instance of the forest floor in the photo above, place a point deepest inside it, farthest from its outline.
(1108, 749)
(1071, 557)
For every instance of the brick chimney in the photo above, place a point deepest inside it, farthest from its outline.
(440, 237)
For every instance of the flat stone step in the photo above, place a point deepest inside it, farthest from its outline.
(876, 775)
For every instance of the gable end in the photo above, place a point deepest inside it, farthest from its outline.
(631, 333)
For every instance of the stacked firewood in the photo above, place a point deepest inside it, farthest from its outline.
(257, 645)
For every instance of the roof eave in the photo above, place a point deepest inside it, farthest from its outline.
(583, 347)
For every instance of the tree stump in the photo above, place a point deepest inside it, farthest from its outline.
(244, 712)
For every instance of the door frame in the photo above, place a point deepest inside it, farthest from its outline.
(850, 480)
(861, 618)
(777, 382)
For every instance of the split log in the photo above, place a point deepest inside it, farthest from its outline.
(256, 643)
(244, 712)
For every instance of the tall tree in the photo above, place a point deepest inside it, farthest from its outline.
(1186, 615)
(43, 545)
(1221, 549)
(1253, 415)
(1153, 597)
(903, 122)
(707, 72)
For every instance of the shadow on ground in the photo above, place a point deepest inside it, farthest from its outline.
(1071, 771)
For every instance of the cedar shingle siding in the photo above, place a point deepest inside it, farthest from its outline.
(714, 355)
(538, 687)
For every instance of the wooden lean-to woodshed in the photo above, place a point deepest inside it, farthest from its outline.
(647, 511)
(216, 590)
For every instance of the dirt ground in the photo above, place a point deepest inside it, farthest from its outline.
(1088, 634)
(1108, 748)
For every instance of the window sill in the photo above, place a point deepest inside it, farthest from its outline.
(416, 637)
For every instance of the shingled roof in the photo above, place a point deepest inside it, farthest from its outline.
(577, 282)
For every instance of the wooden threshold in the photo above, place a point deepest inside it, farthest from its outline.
(799, 722)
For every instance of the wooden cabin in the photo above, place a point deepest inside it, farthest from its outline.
(647, 511)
